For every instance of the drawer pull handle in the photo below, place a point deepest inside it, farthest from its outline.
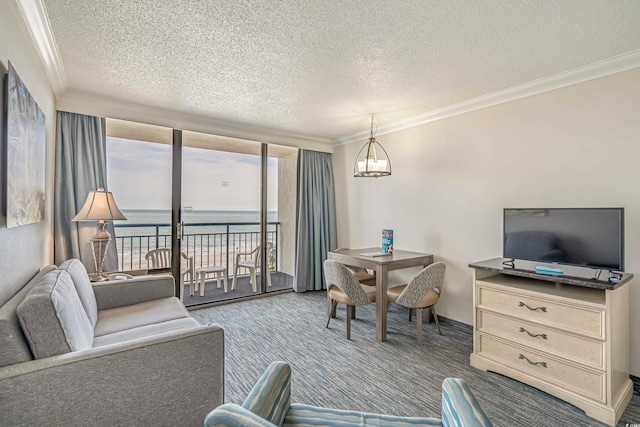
(521, 304)
(543, 364)
(543, 336)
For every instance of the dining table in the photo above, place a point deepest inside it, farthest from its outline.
(381, 264)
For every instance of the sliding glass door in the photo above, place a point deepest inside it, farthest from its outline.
(225, 207)
(221, 199)
(139, 164)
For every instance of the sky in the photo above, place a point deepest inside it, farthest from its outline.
(139, 176)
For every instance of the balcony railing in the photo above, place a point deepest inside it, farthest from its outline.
(209, 244)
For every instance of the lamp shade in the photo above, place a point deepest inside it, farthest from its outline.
(100, 206)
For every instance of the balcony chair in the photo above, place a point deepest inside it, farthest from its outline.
(161, 259)
(342, 286)
(422, 292)
(252, 264)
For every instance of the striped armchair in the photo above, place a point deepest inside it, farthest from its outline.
(269, 405)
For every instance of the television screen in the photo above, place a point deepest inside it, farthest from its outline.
(589, 237)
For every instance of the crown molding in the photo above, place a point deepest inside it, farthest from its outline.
(84, 103)
(592, 71)
(35, 17)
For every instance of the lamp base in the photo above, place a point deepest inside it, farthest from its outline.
(100, 246)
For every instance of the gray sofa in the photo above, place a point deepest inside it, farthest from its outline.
(122, 352)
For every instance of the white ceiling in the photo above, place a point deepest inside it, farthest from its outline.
(320, 68)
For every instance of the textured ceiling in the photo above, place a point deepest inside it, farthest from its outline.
(322, 67)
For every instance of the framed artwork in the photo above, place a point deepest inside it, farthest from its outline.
(24, 154)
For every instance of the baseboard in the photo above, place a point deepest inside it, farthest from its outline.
(457, 323)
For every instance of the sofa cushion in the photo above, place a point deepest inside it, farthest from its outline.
(14, 347)
(80, 278)
(270, 398)
(460, 407)
(133, 316)
(300, 414)
(53, 318)
(146, 331)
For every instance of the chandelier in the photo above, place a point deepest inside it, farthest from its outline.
(372, 160)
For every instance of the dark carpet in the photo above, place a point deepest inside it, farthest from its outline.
(395, 377)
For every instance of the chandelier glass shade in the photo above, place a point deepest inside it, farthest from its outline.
(372, 160)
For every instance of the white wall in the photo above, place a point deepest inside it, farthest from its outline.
(24, 249)
(577, 146)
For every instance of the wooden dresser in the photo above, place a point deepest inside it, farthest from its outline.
(565, 335)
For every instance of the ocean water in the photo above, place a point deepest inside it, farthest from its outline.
(208, 244)
(149, 218)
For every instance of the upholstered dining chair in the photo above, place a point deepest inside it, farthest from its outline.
(422, 292)
(361, 274)
(161, 258)
(251, 264)
(342, 286)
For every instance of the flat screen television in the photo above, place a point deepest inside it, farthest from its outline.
(588, 237)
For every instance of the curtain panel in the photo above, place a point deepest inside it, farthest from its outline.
(316, 219)
(80, 167)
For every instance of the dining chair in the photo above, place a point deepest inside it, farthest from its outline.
(161, 258)
(251, 264)
(342, 286)
(422, 292)
(362, 274)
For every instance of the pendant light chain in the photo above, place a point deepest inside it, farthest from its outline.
(372, 125)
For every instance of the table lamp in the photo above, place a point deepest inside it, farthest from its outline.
(100, 206)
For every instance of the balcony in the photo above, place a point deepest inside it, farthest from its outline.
(210, 244)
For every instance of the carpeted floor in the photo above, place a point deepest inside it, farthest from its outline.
(396, 377)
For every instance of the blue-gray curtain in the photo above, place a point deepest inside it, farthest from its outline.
(81, 166)
(316, 219)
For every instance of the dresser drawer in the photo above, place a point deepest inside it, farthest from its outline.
(582, 381)
(584, 320)
(579, 349)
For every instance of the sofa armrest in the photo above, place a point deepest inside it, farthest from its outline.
(119, 293)
(232, 415)
(270, 398)
(460, 407)
(167, 379)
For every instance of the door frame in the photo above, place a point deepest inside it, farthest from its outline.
(264, 256)
(176, 210)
